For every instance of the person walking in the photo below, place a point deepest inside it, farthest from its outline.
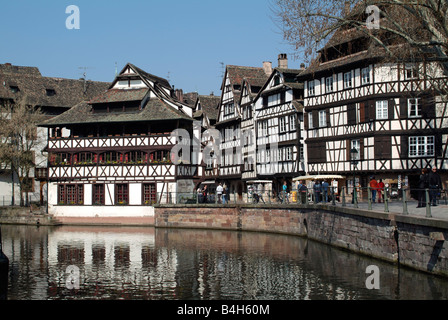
(373, 188)
(285, 191)
(219, 190)
(435, 185)
(421, 188)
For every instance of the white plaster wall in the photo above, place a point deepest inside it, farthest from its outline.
(101, 211)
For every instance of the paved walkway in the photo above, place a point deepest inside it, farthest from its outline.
(396, 206)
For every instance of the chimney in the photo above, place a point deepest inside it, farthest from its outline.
(179, 95)
(267, 67)
(283, 61)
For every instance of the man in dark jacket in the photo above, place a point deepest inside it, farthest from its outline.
(435, 186)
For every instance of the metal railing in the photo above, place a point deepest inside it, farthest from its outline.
(366, 198)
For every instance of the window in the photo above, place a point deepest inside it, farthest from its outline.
(14, 89)
(283, 124)
(50, 92)
(98, 194)
(262, 128)
(310, 120)
(289, 154)
(311, 88)
(322, 118)
(414, 107)
(347, 80)
(365, 75)
(421, 146)
(281, 153)
(410, 72)
(121, 194)
(229, 109)
(149, 194)
(355, 144)
(381, 109)
(292, 122)
(329, 84)
(273, 99)
(70, 194)
(160, 156)
(276, 80)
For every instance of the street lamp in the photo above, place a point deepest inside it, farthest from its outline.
(354, 155)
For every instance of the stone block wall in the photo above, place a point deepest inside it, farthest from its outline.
(415, 242)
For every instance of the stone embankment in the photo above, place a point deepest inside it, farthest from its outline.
(26, 216)
(412, 241)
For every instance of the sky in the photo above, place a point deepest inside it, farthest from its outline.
(184, 41)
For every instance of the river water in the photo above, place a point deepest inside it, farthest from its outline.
(132, 263)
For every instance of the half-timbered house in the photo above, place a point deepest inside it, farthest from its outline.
(117, 156)
(51, 96)
(365, 115)
(229, 120)
(278, 125)
(206, 113)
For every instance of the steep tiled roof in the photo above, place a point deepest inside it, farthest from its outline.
(255, 76)
(8, 68)
(161, 81)
(155, 110)
(45, 91)
(209, 106)
(117, 95)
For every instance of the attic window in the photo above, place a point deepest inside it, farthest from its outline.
(14, 89)
(276, 80)
(50, 92)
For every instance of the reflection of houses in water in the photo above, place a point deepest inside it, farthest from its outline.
(143, 263)
(113, 259)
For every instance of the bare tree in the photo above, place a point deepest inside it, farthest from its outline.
(18, 132)
(399, 27)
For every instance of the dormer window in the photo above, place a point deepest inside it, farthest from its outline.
(14, 89)
(276, 80)
(50, 92)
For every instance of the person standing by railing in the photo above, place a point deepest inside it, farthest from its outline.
(373, 188)
(224, 194)
(421, 188)
(325, 186)
(317, 191)
(380, 190)
(435, 186)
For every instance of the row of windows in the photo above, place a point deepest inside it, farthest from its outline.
(412, 147)
(282, 154)
(382, 112)
(410, 72)
(285, 124)
(111, 157)
(73, 194)
(419, 146)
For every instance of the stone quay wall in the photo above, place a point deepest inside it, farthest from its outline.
(415, 242)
